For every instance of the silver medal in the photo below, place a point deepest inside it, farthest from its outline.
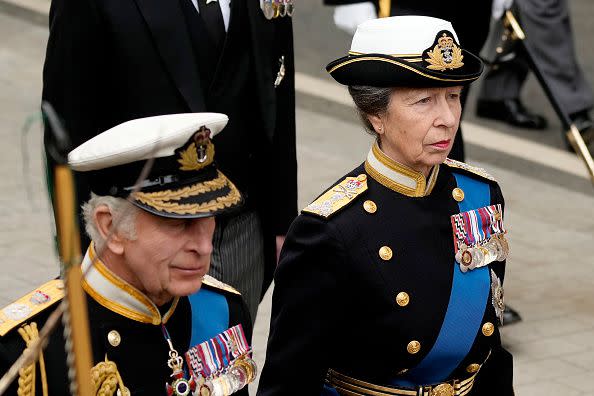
(268, 9)
(290, 6)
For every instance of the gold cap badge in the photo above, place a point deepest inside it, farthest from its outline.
(445, 54)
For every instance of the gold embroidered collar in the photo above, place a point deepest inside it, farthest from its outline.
(117, 295)
(398, 177)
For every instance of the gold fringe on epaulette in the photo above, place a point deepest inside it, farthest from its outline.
(107, 380)
(26, 380)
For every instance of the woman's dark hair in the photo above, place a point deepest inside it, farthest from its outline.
(370, 101)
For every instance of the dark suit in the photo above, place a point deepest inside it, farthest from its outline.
(109, 61)
(340, 305)
(472, 32)
(549, 36)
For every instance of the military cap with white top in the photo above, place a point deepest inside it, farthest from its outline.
(183, 181)
(408, 50)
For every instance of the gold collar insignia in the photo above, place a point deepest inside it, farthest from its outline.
(398, 177)
(117, 295)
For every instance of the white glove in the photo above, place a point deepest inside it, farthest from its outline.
(499, 7)
(348, 17)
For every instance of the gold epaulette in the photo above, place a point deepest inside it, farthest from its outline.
(338, 196)
(30, 305)
(217, 284)
(469, 168)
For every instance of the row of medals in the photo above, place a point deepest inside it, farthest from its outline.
(278, 8)
(495, 249)
(242, 372)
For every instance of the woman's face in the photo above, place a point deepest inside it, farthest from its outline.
(419, 127)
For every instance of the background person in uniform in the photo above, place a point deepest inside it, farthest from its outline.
(549, 35)
(136, 279)
(383, 287)
(111, 61)
(472, 31)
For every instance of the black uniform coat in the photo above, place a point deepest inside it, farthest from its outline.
(334, 303)
(109, 61)
(141, 356)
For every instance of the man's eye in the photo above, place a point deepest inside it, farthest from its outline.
(425, 100)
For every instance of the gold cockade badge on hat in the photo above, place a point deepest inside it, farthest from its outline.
(199, 153)
(445, 54)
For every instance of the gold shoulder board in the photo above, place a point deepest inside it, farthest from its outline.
(469, 168)
(338, 196)
(30, 305)
(217, 284)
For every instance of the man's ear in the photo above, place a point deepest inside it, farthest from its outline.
(104, 221)
(377, 122)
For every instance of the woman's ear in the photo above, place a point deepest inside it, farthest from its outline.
(377, 123)
(104, 221)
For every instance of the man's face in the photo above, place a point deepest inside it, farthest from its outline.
(169, 257)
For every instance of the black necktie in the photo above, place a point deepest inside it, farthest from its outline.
(213, 19)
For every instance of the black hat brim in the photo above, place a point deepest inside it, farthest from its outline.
(380, 70)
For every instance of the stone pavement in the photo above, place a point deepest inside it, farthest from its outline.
(549, 278)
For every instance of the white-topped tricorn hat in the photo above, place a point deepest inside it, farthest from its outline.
(406, 51)
(183, 181)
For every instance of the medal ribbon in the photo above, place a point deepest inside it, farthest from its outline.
(474, 227)
(213, 356)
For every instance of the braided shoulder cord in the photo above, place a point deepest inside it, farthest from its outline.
(26, 381)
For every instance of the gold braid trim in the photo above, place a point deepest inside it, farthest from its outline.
(165, 204)
(189, 191)
(26, 380)
(107, 380)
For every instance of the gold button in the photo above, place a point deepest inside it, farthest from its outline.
(362, 177)
(458, 194)
(385, 253)
(488, 329)
(402, 299)
(473, 368)
(114, 338)
(413, 347)
(497, 216)
(443, 390)
(370, 206)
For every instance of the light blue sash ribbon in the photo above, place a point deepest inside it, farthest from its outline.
(466, 307)
(210, 315)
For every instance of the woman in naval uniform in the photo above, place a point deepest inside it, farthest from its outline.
(390, 283)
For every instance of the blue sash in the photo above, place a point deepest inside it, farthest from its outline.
(210, 315)
(466, 307)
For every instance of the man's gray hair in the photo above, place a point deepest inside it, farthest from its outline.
(123, 215)
(370, 101)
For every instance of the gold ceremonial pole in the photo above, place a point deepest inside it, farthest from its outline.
(75, 316)
(75, 319)
(385, 8)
